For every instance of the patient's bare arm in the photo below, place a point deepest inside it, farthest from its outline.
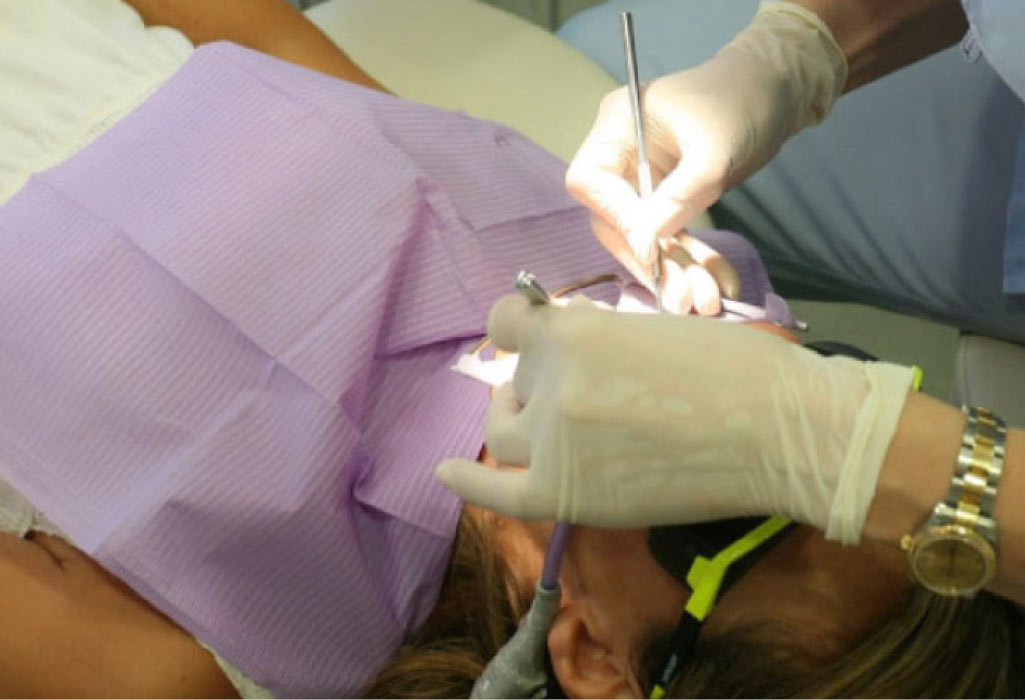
(271, 26)
(70, 629)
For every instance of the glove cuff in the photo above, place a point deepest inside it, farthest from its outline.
(808, 58)
(874, 428)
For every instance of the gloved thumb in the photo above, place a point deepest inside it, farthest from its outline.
(506, 491)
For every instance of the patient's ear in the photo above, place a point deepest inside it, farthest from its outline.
(586, 663)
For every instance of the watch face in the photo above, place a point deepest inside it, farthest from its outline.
(953, 560)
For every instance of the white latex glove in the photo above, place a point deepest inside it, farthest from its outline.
(708, 128)
(631, 420)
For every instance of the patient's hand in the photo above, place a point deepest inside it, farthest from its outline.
(70, 629)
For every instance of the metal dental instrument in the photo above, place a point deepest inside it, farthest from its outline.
(518, 669)
(643, 164)
(528, 286)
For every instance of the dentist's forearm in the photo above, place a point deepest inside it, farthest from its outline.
(271, 26)
(916, 476)
(880, 36)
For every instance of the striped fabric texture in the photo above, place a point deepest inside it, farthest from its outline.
(225, 337)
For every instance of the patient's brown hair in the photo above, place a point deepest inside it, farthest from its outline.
(478, 609)
(932, 647)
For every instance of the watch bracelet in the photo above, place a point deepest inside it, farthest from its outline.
(973, 487)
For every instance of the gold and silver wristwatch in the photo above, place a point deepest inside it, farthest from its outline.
(954, 553)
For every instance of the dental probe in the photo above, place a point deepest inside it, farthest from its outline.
(528, 286)
(643, 164)
(518, 669)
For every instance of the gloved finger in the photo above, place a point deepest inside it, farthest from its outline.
(614, 199)
(719, 267)
(640, 235)
(506, 432)
(599, 177)
(503, 490)
(615, 242)
(677, 294)
(609, 146)
(507, 319)
(697, 288)
(600, 173)
(694, 184)
(579, 300)
(582, 301)
(704, 291)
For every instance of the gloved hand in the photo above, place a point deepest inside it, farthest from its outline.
(633, 420)
(708, 129)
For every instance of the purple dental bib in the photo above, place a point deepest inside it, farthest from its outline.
(225, 336)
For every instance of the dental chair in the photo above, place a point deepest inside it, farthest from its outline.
(990, 372)
(467, 56)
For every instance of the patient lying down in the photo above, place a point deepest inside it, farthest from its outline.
(228, 385)
(810, 618)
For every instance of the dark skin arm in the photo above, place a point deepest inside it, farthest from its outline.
(271, 26)
(880, 36)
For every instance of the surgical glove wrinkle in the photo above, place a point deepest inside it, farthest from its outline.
(627, 420)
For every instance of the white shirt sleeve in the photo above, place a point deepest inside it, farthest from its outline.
(69, 69)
